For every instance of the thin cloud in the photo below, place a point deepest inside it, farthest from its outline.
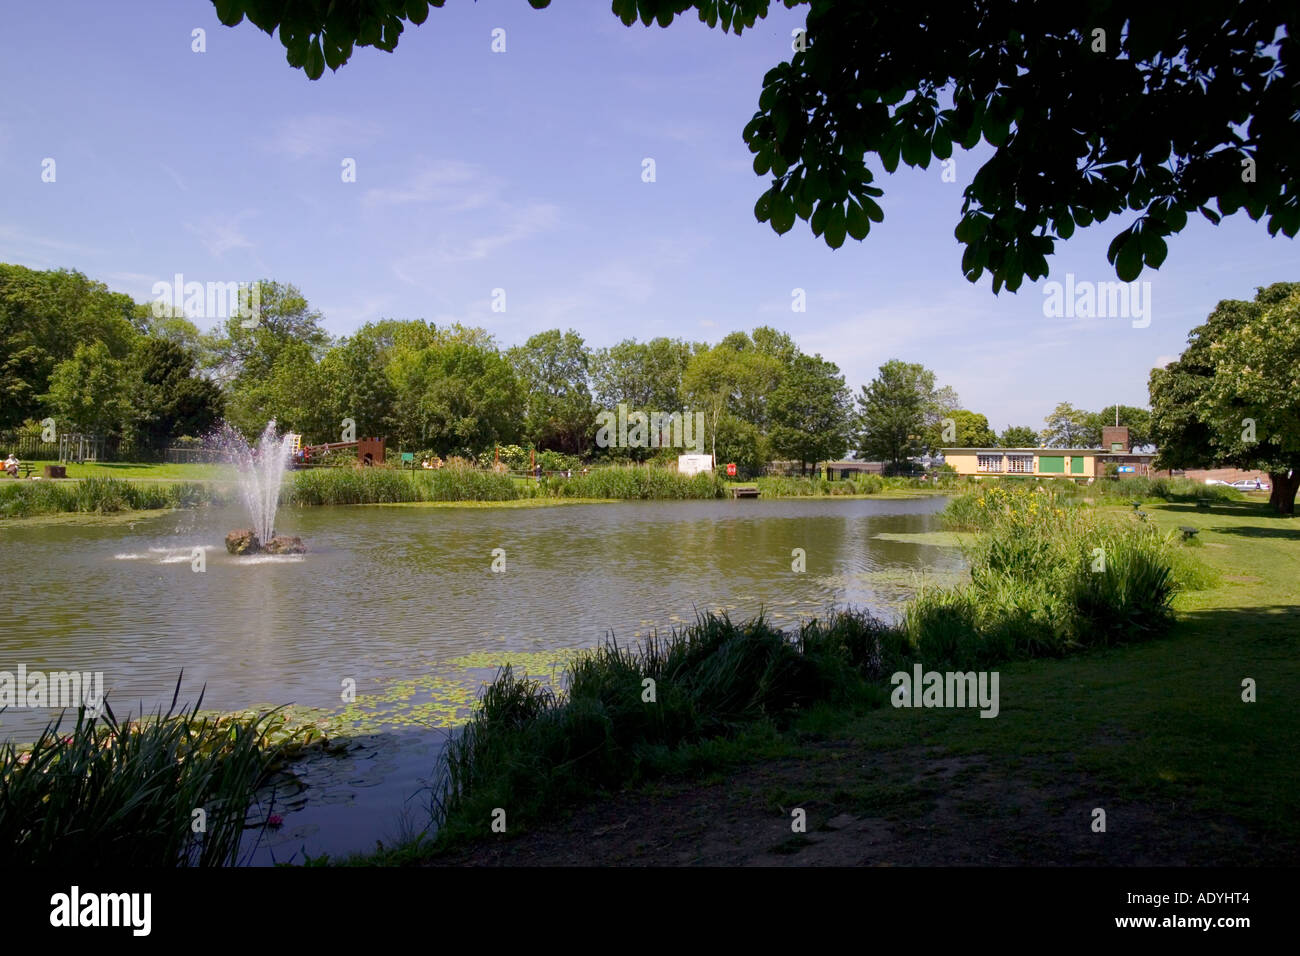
(321, 134)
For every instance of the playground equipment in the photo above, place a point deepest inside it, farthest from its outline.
(370, 451)
(80, 448)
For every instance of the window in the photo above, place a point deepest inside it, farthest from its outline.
(1051, 464)
(1116, 447)
(988, 463)
(1020, 464)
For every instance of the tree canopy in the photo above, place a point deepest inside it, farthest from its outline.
(1232, 398)
(1091, 110)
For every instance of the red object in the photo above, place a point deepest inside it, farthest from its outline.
(731, 469)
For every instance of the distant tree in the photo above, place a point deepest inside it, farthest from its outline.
(168, 398)
(645, 376)
(895, 411)
(171, 325)
(87, 392)
(355, 386)
(1089, 110)
(1137, 420)
(1231, 398)
(456, 395)
(810, 412)
(239, 355)
(288, 392)
(1018, 436)
(730, 383)
(1068, 427)
(44, 317)
(969, 430)
(555, 370)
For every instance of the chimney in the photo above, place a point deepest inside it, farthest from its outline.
(1113, 436)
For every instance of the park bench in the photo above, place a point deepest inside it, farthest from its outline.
(1188, 531)
(26, 468)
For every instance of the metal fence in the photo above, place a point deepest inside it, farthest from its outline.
(27, 445)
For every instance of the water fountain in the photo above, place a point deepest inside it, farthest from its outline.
(261, 471)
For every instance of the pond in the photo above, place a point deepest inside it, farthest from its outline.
(402, 603)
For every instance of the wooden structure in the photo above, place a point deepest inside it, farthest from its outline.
(370, 451)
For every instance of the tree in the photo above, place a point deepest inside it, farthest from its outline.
(810, 412)
(1018, 436)
(893, 412)
(645, 376)
(1137, 420)
(730, 384)
(1231, 399)
(355, 386)
(1091, 110)
(86, 391)
(289, 392)
(168, 398)
(1067, 427)
(456, 395)
(241, 354)
(44, 316)
(554, 368)
(970, 430)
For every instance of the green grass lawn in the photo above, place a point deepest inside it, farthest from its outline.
(144, 471)
(1161, 725)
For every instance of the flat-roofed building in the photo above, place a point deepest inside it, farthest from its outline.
(1078, 463)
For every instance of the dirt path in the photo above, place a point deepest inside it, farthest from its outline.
(909, 808)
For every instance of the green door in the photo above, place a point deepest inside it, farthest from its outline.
(1051, 464)
(1076, 465)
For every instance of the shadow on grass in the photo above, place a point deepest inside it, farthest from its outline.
(1289, 530)
(1236, 508)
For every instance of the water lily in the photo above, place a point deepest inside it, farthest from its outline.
(275, 820)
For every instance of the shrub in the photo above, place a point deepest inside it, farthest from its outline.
(122, 794)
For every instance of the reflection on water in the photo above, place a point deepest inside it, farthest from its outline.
(402, 600)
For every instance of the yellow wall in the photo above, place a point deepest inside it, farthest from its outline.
(967, 463)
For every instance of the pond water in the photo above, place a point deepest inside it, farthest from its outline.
(402, 601)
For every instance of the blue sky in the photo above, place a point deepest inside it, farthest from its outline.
(522, 171)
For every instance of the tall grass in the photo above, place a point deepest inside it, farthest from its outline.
(116, 793)
(776, 486)
(362, 486)
(1048, 576)
(632, 482)
(533, 750)
(1168, 489)
(101, 496)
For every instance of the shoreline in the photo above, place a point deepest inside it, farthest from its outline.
(118, 517)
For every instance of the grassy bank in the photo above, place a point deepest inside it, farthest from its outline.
(365, 486)
(628, 483)
(813, 487)
(144, 470)
(1155, 730)
(629, 714)
(22, 499)
(104, 792)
